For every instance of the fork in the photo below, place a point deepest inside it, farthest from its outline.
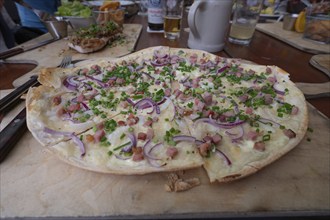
(66, 61)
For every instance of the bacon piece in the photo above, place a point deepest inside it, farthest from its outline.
(294, 110)
(167, 92)
(171, 152)
(150, 134)
(61, 111)
(74, 107)
(193, 58)
(57, 100)
(130, 90)
(148, 123)
(260, 146)
(252, 135)
(289, 133)
(249, 110)
(199, 105)
(132, 120)
(268, 99)
(96, 67)
(120, 81)
(207, 98)
(84, 71)
(110, 68)
(177, 93)
(272, 79)
(121, 123)
(142, 136)
(243, 98)
(268, 70)
(137, 154)
(124, 104)
(207, 138)
(99, 135)
(111, 82)
(216, 138)
(204, 148)
(195, 82)
(80, 98)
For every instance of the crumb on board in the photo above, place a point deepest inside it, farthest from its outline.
(177, 184)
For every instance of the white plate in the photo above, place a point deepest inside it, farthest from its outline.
(99, 3)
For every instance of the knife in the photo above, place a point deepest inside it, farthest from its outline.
(10, 135)
(13, 98)
(17, 50)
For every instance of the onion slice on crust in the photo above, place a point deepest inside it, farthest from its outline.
(80, 144)
(226, 125)
(71, 83)
(235, 137)
(153, 161)
(223, 156)
(74, 138)
(184, 138)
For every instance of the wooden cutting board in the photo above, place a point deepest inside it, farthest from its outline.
(292, 38)
(34, 183)
(52, 54)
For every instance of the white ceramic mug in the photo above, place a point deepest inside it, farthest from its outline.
(208, 22)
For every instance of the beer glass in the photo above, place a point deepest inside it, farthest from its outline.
(246, 15)
(172, 13)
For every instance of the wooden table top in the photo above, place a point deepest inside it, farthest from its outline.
(34, 183)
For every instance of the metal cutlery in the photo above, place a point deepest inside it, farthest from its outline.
(10, 135)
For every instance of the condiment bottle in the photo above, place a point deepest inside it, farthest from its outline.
(155, 14)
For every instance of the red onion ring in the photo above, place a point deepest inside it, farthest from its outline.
(147, 148)
(223, 156)
(71, 83)
(280, 92)
(145, 103)
(148, 75)
(80, 144)
(184, 138)
(236, 137)
(222, 69)
(120, 157)
(102, 84)
(54, 132)
(266, 121)
(133, 143)
(227, 125)
(74, 138)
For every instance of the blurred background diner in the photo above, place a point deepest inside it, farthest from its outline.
(19, 21)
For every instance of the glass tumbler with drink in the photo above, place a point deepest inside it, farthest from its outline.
(245, 18)
(172, 12)
(143, 7)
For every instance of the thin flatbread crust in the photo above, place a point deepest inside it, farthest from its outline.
(168, 109)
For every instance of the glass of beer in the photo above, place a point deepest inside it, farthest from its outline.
(245, 18)
(172, 12)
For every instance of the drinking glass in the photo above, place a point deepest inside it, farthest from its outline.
(172, 12)
(143, 7)
(245, 18)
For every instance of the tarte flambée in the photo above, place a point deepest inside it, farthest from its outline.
(167, 109)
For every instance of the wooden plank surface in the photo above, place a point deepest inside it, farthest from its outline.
(52, 54)
(293, 38)
(34, 183)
